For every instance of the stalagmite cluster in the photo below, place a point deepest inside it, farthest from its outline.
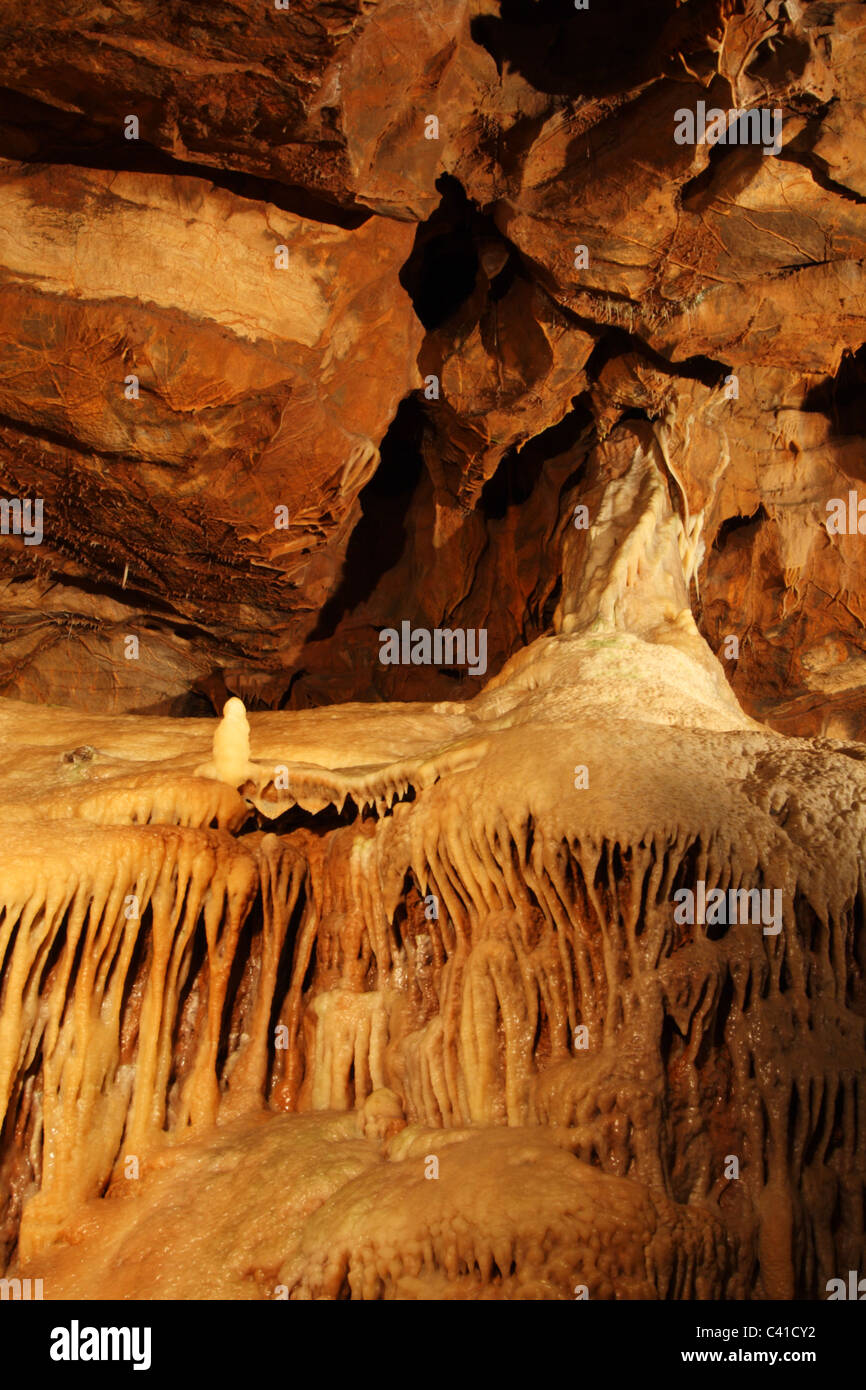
(330, 977)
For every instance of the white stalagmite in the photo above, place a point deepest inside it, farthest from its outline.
(231, 748)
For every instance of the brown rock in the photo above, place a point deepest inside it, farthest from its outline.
(258, 388)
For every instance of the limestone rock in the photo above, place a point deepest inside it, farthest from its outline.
(446, 395)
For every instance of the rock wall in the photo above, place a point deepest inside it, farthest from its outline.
(325, 323)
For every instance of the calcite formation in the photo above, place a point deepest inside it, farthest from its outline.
(323, 976)
(466, 949)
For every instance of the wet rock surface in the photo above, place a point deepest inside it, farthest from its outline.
(475, 392)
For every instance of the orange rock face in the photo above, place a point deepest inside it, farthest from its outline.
(517, 173)
(335, 340)
(191, 376)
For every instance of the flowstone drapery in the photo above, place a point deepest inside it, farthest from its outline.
(410, 1011)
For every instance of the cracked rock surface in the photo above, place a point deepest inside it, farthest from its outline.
(320, 322)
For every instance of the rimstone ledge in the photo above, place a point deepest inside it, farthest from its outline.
(433, 802)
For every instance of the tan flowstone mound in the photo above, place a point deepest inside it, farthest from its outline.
(443, 932)
(302, 1207)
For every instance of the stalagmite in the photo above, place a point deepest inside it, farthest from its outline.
(231, 748)
(433, 803)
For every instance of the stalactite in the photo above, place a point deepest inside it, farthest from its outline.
(495, 960)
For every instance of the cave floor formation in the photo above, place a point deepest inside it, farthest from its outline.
(442, 1033)
(433, 680)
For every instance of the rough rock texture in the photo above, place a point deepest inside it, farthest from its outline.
(321, 321)
(447, 934)
(258, 387)
(263, 387)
